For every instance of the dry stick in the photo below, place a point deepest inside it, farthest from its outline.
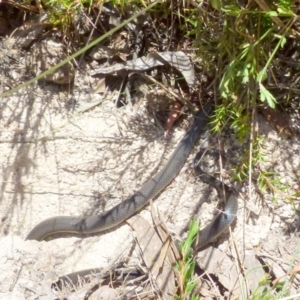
(250, 197)
(253, 123)
(217, 293)
(238, 256)
(238, 260)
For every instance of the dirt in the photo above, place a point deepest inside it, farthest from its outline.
(57, 161)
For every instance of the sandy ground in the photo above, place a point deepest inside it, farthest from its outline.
(55, 161)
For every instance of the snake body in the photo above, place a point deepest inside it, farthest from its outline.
(224, 219)
(140, 199)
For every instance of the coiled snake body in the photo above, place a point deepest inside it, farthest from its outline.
(149, 190)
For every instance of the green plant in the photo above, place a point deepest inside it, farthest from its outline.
(64, 12)
(266, 180)
(249, 41)
(266, 291)
(186, 266)
(235, 116)
(251, 47)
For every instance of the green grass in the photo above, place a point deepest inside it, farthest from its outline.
(186, 266)
(247, 42)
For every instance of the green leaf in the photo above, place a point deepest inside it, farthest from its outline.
(216, 4)
(272, 13)
(266, 95)
(284, 12)
(282, 39)
(231, 10)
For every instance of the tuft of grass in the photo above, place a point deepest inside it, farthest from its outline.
(186, 266)
(65, 13)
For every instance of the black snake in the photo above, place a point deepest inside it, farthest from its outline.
(149, 190)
